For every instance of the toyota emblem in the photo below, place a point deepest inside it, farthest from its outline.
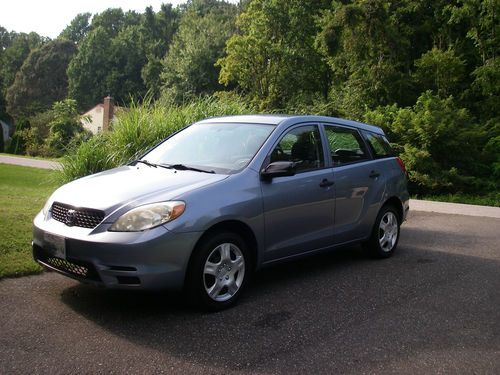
(70, 217)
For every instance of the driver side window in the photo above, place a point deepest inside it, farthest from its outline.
(303, 146)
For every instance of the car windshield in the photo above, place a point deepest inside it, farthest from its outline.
(212, 147)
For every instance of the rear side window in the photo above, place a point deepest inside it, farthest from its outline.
(379, 145)
(346, 146)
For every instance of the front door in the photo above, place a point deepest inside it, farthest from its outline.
(299, 209)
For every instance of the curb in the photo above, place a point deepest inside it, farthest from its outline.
(454, 208)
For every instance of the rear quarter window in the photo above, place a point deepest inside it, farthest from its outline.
(379, 145)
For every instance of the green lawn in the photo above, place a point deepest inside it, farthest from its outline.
(23, 194)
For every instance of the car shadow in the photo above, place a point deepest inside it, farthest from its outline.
(324, 310)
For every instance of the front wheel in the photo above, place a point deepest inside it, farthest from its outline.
(218, 272)
(385, 234)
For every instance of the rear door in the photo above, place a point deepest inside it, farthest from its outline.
(359, 183)
(298, 210)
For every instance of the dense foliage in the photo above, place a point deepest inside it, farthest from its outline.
(52, 132)
(189, 65)
(119, 54)
(428, 72)
(267, 60)
(14, 49)
(41, 80)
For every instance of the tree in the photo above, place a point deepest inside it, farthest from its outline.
(14, 48)
(77, 29)
(112, 20)
(128, 59)
(121, 55)
(42, 79)
(440, 71)
(272, 58)
(5, 38)
(88, 70)
(13, 56)
(189, 65)
(362, 48)
(106, 66)
(157, 31)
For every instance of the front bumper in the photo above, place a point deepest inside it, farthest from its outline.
(153, 259)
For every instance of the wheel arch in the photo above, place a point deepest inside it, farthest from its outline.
(397, 204)
(233, 226)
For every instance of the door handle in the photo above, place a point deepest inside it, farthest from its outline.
(326, 183)
(374, 174)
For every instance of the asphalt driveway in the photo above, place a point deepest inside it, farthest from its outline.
(432, 308)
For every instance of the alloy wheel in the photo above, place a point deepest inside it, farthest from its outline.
(224, 272)
(388, 231)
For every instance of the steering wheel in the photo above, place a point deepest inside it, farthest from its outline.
(278, 154)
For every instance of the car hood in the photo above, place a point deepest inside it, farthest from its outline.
(131, 185)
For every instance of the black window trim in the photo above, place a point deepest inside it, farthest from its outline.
(370, 155)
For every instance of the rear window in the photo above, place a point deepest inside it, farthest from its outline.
(379, 145)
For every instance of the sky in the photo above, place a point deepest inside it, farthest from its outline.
(50, 17)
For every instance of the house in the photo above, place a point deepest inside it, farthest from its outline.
(5, 131)
(100, 117)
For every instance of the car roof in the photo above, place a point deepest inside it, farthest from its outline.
(287, 120)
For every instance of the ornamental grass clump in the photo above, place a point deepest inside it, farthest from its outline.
(138, 128)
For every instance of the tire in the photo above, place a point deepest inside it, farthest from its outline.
(385, 234)
(218, 272)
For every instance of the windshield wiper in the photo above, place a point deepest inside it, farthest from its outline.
(183, 167)
(149, 164)
(144, 162)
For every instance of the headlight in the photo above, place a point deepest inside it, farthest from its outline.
(148, 216)
(45, 209)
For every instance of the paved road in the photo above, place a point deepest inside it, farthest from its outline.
(28, 162)
(432, 308)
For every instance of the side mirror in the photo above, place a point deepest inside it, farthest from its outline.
(278, 169)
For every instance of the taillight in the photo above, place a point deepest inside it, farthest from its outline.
(402, 165)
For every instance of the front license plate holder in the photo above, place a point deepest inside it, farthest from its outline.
(55, 245)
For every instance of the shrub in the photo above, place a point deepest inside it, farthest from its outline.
(64, 126)
(443, 147)
(17, 144)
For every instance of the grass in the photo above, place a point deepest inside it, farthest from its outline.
(24, 192)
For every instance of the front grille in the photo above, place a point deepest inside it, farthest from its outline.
(79, 269)
(77, 217)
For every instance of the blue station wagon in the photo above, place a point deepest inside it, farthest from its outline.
(223, 197)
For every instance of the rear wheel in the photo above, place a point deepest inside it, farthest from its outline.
(218, 272)
(385, 234)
